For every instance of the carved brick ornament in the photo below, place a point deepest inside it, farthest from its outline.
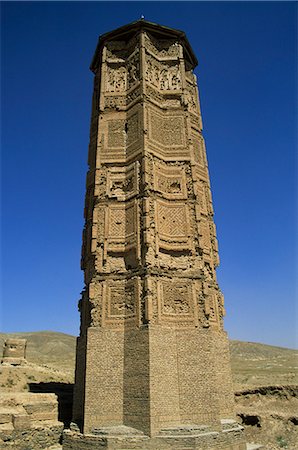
(172, 225)
(121, 302)
(176, 302)
(152, 356)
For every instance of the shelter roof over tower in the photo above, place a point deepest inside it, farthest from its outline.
(158, 31)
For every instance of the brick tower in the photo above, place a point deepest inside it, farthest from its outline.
(152, 357)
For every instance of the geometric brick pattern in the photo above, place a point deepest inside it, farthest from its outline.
(152, 354)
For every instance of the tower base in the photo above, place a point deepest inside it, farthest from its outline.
(188, 437)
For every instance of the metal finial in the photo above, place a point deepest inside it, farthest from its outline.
(142, 17)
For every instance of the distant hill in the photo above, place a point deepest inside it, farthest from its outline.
(48, 347)
(262, 365)
(252, 363)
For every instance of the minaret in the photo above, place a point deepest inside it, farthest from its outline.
(152, 356)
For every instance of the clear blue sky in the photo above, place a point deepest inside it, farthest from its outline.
(247, 73)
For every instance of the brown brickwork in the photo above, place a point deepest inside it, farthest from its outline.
(152, 353)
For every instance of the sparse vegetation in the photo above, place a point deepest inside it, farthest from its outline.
(31, 378)
(282, 443)
(10, 381)
(260, 365)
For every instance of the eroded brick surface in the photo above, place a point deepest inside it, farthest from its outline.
(152, 353)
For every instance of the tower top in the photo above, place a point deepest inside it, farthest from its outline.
(159, 31)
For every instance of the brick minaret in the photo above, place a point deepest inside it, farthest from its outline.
(152, 354)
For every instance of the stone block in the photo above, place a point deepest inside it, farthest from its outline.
(21, 422)
(6, 415)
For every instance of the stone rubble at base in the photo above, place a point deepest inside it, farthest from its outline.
(29, 421)
(248, 447)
